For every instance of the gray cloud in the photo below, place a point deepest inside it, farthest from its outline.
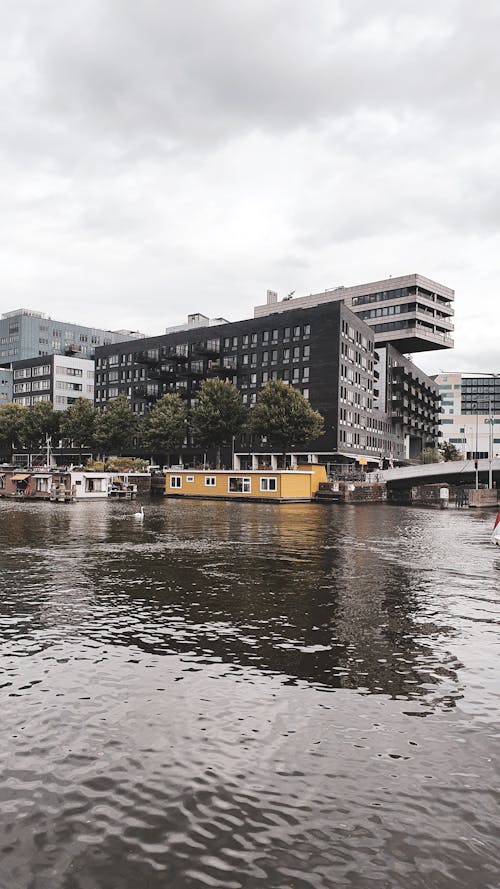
(158, 158)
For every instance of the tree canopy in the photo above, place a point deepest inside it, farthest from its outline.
(39, 421)
(450, 452)
(115, 426)
(284, 417)
(78, 423)
(12, 426)
(165, 426)
(218, 415)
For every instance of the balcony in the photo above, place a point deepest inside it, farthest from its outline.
(207, 347)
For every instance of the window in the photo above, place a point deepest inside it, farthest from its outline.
(296, 331)
(96, 485)
(176, 481)
(296, 353)
(210, 481)
(265, 357)
(265, 336)
(237, 485)
(190, 478)
(254, 339)
(286, 333)
(307, 329)
(286, 354)
(268, 484)
(275, 335)
(274, 356)
(306, 351)
(113, 359)
(244, 340)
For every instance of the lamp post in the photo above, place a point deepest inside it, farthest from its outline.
(476, 452)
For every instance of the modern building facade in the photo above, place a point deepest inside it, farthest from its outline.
(325, 351)
(5, 385)
(411, 312)
(411, 400)
(57, 379)
(28, 334)
(470, 413)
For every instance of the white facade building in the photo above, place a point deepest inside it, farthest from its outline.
(470, 413)
(58, 379)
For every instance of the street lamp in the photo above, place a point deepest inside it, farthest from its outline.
(476, 453)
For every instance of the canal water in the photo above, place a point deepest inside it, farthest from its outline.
(244, 695)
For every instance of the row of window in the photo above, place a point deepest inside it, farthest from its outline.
(235, 484)
(397, 293)
(42, 370)
(28, 400)
(267, 336)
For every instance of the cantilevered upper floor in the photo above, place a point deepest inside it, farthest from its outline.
(411, 313)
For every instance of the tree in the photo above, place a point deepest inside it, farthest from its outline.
(39, 421)
(165, 426)
(219, 414)
(284, 417)
(450, 452)
(115, 426)
(12, 426)
(430, 455)
(78, 423)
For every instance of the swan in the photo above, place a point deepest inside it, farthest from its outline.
(139, 515)
(495, 537)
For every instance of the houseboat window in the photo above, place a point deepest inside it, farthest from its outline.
(94, 485)
(176, 481)
(190, 478)
(236, 485)
(210, 481)
(268, 484)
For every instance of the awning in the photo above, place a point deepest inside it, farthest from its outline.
(372, 458)
(19, 478)
(42, 475)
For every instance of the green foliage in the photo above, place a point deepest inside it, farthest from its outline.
(78, 423)
(94, 466)
(126, 464)
(430, 455)
(115, 426)
(284, 417)
(39, 421)
(165, 425)
(219, 414)
(450, 452)
(12, 426)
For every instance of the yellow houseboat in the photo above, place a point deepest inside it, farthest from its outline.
(278, 486)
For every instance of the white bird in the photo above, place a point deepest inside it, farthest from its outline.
(139, 515)
(495, 537)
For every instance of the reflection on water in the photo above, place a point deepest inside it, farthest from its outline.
(246, 695)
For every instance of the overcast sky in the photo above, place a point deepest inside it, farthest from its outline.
(160, 157)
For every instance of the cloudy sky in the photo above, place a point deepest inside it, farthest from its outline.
(168, 156)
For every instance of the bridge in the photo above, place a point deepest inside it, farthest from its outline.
(453, 472)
